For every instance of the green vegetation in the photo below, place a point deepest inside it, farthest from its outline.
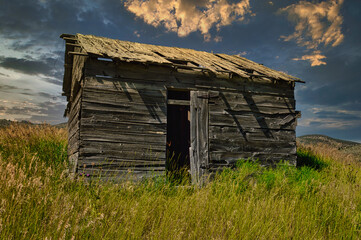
(320, 199)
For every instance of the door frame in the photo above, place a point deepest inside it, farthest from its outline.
(199, 127)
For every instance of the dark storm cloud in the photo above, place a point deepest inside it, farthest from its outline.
(27, 66)
(40, 23)
(3, 74)
(22, 45)
(54, 81)
(6, 88)
(14, 89)
(28, 92)
(50, 112)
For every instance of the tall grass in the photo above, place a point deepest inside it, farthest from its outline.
(320, 199)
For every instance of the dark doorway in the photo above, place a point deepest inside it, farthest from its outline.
(178, 131)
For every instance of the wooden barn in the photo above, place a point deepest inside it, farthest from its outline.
(149, 109)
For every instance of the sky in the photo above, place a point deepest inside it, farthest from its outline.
(317, 41)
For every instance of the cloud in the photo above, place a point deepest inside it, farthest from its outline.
(7, 88)
(317, 24)
(3, 74)
(315, 58)
(322, 123)
(332, 118)
(186, 16)
(27, 66)
(50, 112)
(53, 81)
(136, 33)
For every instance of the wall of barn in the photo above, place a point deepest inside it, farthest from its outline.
(73, 112)
(124, 111)
(259, 124)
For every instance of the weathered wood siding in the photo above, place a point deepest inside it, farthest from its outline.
(199, 149)
(123, 126)
(122, 115)
(253, 124)
(73, 113)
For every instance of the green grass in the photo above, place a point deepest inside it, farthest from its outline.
(320, 199)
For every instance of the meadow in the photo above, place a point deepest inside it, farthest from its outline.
(319, 199)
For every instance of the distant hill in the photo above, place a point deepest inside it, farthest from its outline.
(316, 138)
(61, 125)
(5, 123)
(348, 147)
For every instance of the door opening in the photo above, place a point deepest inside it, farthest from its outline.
(178, 132)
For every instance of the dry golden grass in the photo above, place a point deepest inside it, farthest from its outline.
(320, 200)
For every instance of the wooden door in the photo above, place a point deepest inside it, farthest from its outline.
(199, 115)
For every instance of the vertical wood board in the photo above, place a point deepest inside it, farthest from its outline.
(199, 136)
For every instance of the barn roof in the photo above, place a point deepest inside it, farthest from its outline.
(167, 56)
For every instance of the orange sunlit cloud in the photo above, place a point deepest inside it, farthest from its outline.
(186, 16)
(316, 24)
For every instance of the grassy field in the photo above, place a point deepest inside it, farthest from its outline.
(320, 199)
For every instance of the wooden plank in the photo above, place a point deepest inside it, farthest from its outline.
(120, 174)
(120, 154)
(222, 64)
(242, 108)
(234, 136)
(119, 167)
(121, 95)
(190, 80)
(203, 81)
(99, 161)
(244, 120)
(73, 144)
(156, 111)
(123, 138)
(77, 73)
(193, 156)
(202, 135)
(74, 110)
(73, 163)
(217, 145)
(247, 64)
(232, 157)
(127, 70)
(178, 102)
(124, 166)
(73, 130)
(73, 120)
(139, 117)
(152, 143)
(98, 146)
(89, 124)
(232, 100)
(124, 84)
(199, 137)
(78, 54)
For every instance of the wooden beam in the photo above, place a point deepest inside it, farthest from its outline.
(72, 44)
(178, 102)
(67, 35)
(78, 53)
(69, 39)
(199, 156)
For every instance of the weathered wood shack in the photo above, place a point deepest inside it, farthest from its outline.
(149, 109)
